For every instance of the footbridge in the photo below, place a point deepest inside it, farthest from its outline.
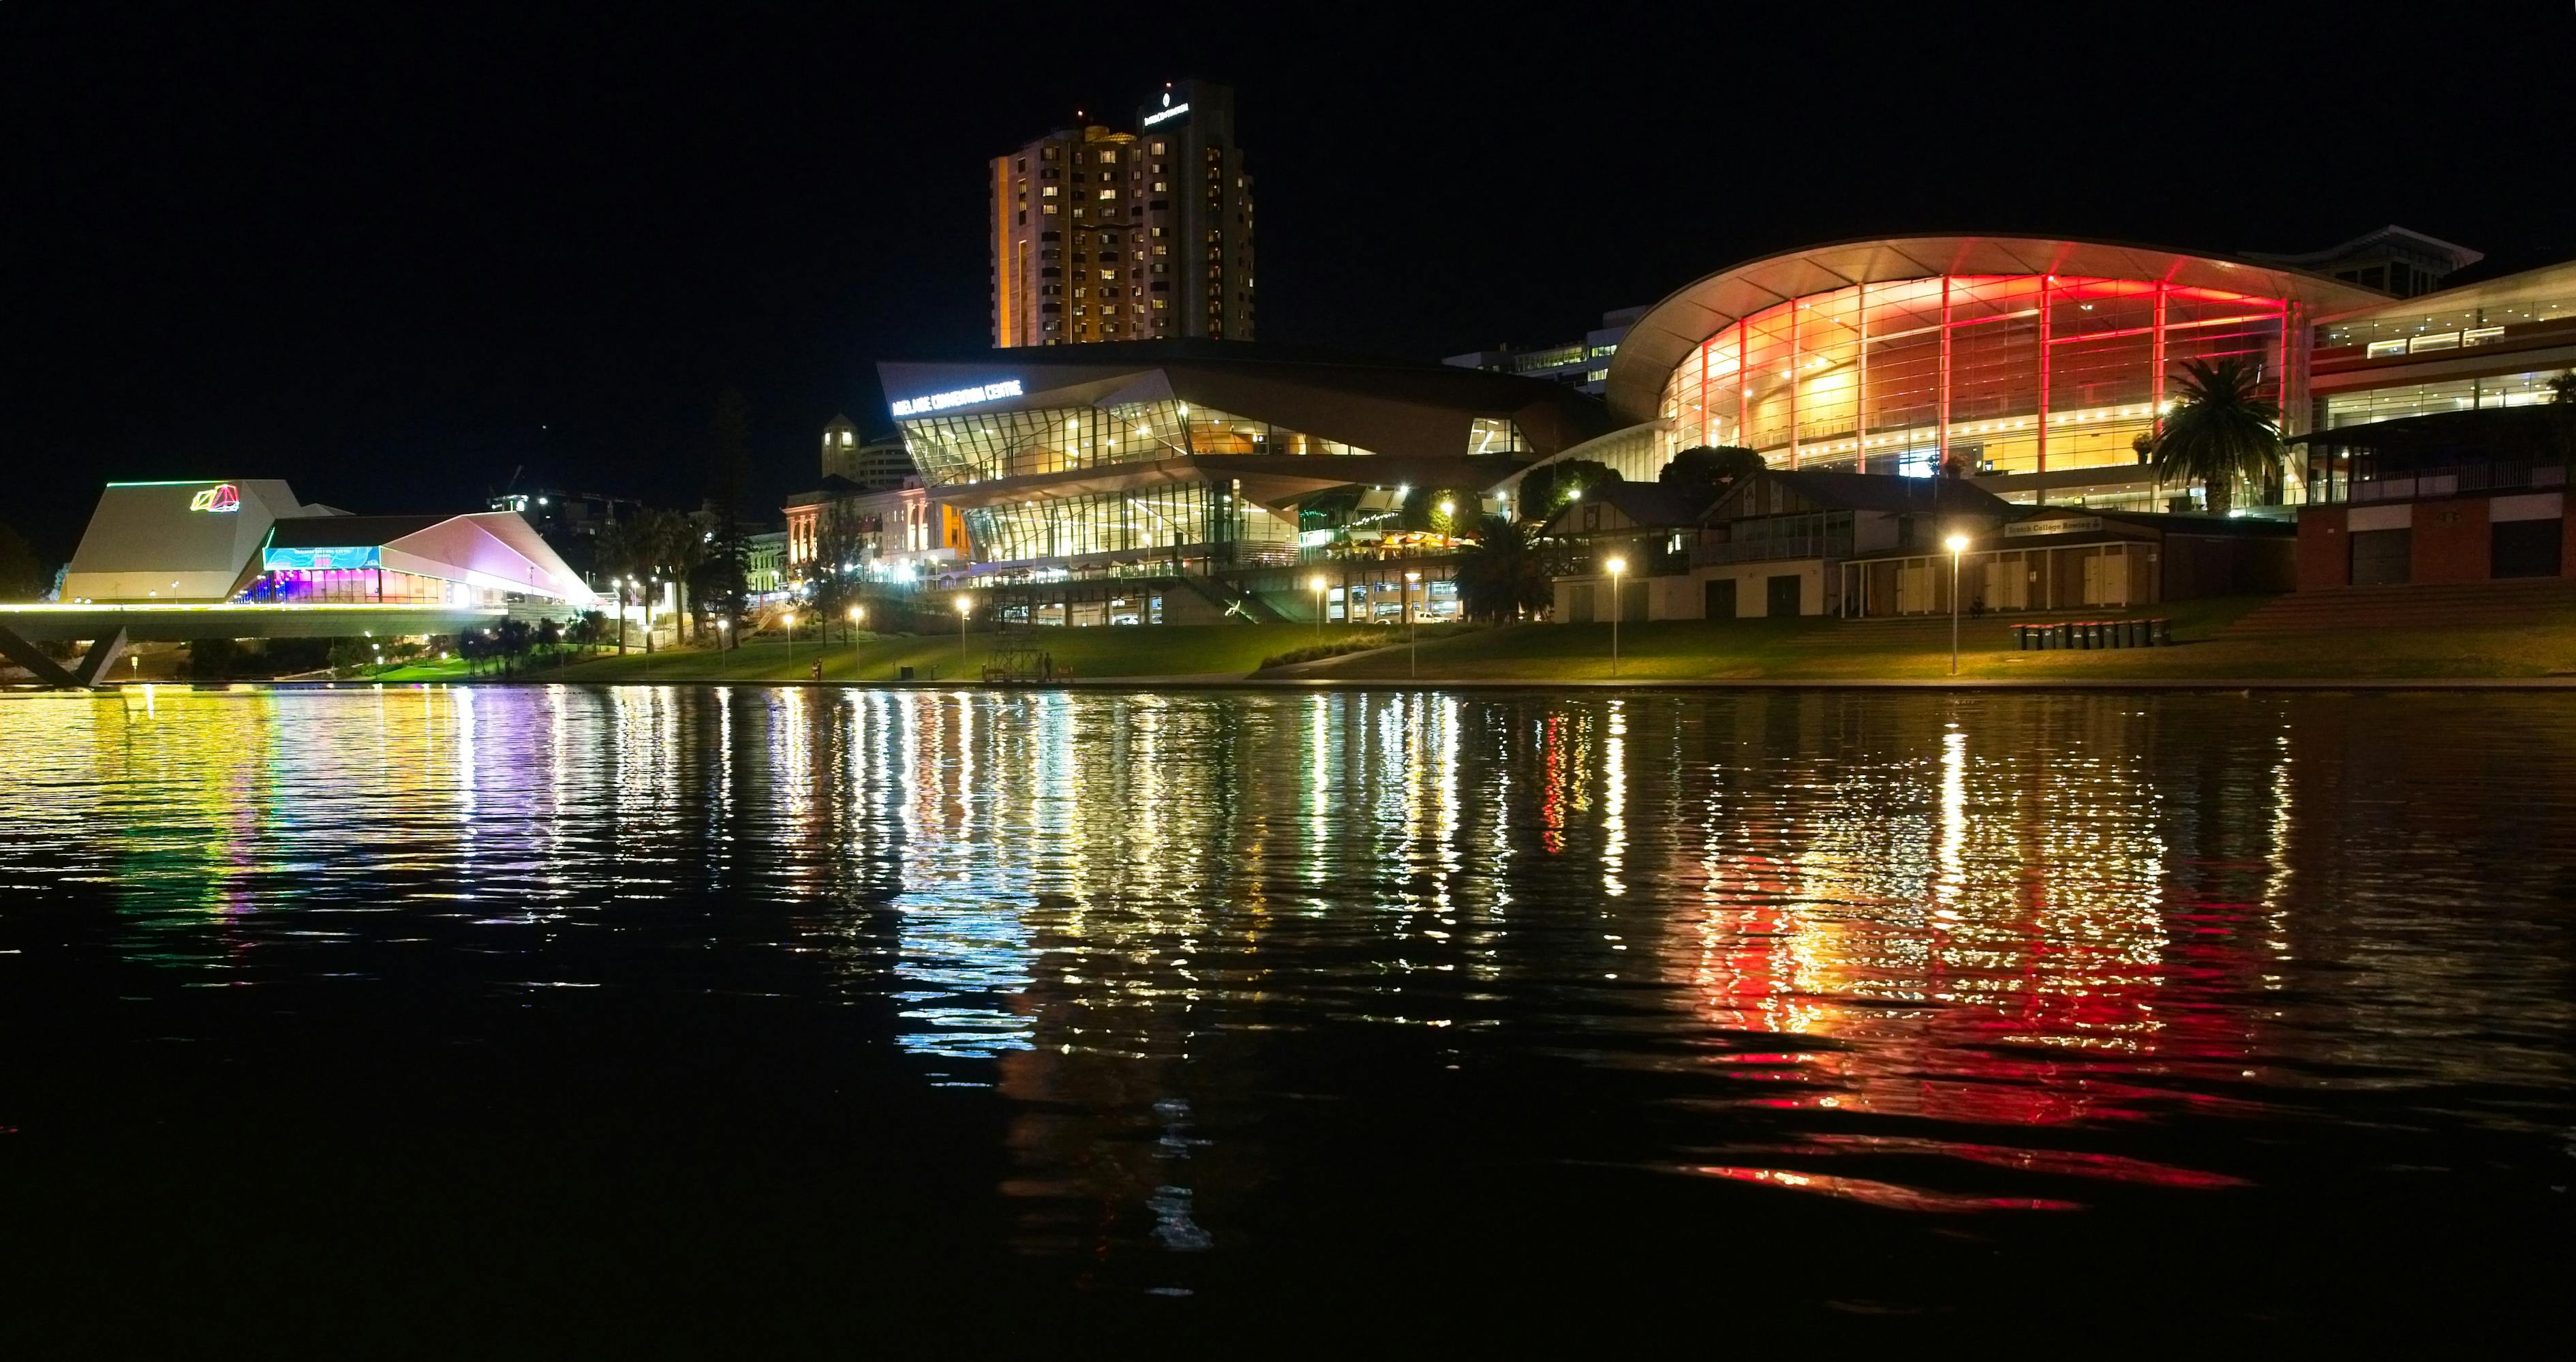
(110, 628)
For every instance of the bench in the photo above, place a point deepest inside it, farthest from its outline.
(2088, 634)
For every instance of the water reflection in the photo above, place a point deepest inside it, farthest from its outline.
(1912, 951)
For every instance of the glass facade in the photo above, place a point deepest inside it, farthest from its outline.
(1158, 524)
(956, 448)
(363, 586)
(2425, 399)
(2018, 373)
(2389, 332)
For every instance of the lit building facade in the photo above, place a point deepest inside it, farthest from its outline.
(1219, 464)
(2036, 364)
(893, 535)
(873, 464)
(1102, 235)
(1583, 364)
(2495, 343)
(251, 542)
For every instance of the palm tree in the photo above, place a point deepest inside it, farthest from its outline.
(1506, 574)
(616, 554)
(2222, 428)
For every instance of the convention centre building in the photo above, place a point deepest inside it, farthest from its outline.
(1184, 480)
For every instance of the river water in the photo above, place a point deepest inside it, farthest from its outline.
(788, 1016)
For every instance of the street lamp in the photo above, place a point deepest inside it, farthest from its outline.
(788, 623)
(965, 608)
(1956, 544)
(1412, 653)
(1616, 566)
(1316, 585)
(857, 614)
(724, 629)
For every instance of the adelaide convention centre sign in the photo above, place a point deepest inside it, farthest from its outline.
(990, 392)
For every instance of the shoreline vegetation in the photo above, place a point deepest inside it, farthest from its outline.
(1807, 651)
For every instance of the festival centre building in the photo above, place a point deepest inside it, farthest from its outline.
(250, 542)
(1175, 481)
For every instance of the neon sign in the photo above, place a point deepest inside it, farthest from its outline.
(323, 560)
(223, 496)
(990, 392)
(1160, 115)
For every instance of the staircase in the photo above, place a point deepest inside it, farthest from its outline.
(1233, 599)
(2507, 604)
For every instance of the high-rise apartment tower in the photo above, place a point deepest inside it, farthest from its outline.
(1114, 236)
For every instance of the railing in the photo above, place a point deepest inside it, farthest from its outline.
(2441, 482)
(1771, 550)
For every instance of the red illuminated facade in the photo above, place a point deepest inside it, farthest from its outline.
(2034, 363)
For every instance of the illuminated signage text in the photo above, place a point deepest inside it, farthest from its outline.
(990, 392)
(1159, 115)
(323, 560)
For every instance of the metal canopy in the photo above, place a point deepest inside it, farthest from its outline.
(1663, 337)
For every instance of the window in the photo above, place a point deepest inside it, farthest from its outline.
(2379, 349)
(1046, 191)
(1109, 158)
(1109, 193)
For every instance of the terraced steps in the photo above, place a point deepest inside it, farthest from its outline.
(2508, 604)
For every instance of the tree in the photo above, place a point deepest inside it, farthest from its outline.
(1707, 471)
(622, 552)
(729, 462)
(2221, 429)
(839, 540)
(510, 639)
(22, 573)
(1507, 574)
(1551, 485)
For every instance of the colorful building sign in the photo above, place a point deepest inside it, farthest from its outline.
(223, 496)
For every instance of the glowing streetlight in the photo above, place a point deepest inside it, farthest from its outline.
(1616, 566)
(1956, 544)
(1412, 651)
(965, 608)
(724, 631)
(788, 622)
(1316, 585)
(858, 614)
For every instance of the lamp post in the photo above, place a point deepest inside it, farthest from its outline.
(788, 623)
(965, 608)
(1616, 566)
(1957, 544)
(1412, 652)
(857, 614)
(1316, 584)
(724, 629)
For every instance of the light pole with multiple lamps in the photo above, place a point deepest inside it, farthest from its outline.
(1412, 651)
(1616, 566)
(1956, 544)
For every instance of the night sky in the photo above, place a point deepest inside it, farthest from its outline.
(395, 253)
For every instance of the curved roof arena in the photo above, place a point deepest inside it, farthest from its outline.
(1691, 314)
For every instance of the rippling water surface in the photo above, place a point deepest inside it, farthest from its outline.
(794, 1014)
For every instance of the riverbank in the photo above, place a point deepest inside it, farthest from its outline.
(2206, 653)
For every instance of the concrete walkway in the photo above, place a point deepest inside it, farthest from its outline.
(1222, 681)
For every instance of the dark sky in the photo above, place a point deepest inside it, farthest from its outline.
(393, 252)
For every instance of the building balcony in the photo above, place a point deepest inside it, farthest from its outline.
(1771, 550)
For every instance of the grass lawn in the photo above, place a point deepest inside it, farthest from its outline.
(1168, 650)
(1826, 650)
(1773, 650)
